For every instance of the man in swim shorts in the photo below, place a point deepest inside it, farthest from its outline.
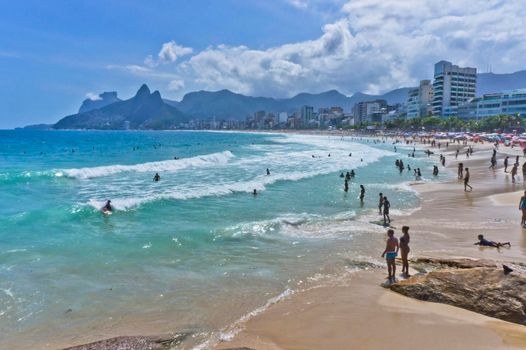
(390, 253)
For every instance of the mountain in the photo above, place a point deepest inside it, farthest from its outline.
(104, 99)
(225, 104)
(143, 111)
(491, 82)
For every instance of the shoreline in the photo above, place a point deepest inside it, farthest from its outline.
(334, 315)
(432, 196)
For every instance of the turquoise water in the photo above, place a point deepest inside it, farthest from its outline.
(195, 251)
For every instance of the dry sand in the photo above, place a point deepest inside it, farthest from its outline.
(358, 313)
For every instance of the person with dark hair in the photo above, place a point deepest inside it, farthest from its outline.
(522, 207)
(107, 208)
(362, 193)
(390, 253)
(387, 205)
(466, 182)
(404, 248)
(485, 243)
(381, 203)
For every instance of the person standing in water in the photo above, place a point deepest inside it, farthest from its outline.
(156, 177)
(387, 205)
(268, 172)
(346, 185)
(390, 253)
(460, 172)
(381, 203)
(506, 162)
(404, 247)
(466, 182)
(362, 193)
(514, 172)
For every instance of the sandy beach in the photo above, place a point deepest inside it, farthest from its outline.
(357, 313)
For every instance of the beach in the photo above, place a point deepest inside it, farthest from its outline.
(357, 313)
(197, 255)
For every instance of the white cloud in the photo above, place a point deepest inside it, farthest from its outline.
(170, 51)
(301, 4)
(175, 85)
(93, 96)
(375, 46)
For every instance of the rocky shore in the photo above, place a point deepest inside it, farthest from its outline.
(475, 285)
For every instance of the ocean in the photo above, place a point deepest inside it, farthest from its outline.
(196, 252)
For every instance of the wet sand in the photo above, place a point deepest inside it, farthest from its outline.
(357, 313)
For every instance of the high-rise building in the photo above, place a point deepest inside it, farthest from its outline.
(363, 110)
(452, 86)
(419, 100)
(307, 113)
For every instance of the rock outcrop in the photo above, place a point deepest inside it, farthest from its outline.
(486, 290)
(133, 343)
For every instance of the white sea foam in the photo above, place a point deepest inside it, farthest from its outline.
(166, 165)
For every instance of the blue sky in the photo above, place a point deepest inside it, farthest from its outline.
(55, 53)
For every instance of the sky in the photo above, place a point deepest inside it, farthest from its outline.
(56, 53)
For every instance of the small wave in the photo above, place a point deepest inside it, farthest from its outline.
(166, 165)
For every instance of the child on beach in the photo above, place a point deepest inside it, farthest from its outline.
(485, 243)
(390, 253)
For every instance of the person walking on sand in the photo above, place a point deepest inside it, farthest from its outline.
(404, 247)
(514, 172)
(460, 170)
(390, 253)
(381, 203)
(522, 207)
(456, 154)
(387, 205)
(506, 162)
(466, 182)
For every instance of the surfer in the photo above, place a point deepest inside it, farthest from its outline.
(268, 172)
(156, 177)
(255, 192)
(106, 209)
(485, 243)
(390, 253)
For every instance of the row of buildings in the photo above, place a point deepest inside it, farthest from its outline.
(451, 92)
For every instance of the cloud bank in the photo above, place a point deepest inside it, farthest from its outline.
(374, 46)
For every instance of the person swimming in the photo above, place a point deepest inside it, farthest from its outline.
(485, 243)
(353, 174)
(107, 207)
(255, 192)
(156, 177)
(341, 175)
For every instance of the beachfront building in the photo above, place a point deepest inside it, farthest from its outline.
(452, 86)
(419, 100)
(508, 102)
(362, 111)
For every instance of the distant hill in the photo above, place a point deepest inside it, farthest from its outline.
(491, 82)
(143, 111)
(225, 104)
(103, 100)
(37, 127)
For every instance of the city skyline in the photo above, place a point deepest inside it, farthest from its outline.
(57, 54)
